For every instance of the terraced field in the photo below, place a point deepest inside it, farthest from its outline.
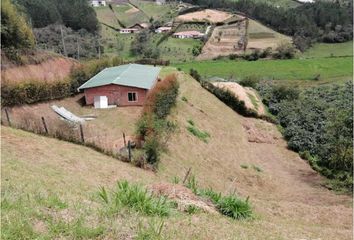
(262, 37)
(225, 40)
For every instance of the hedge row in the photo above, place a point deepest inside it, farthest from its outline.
(153, 124)
(34, 91)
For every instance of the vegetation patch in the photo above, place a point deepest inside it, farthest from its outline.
(318, 123)
(230, 205)
(136, 198)
(202, 135)
(153, 126)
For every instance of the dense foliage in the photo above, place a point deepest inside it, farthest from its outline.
(15, 33)
(74, 14)
(318, 123)
(78, 44)
(140, 46)
(319, 21)
(153, 124)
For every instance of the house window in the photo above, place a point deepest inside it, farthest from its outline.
(132, 97)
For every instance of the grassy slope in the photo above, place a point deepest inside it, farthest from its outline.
(320, 50)
(33, 165)
(295, 69)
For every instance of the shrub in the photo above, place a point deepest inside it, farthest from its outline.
(134, 197)
(250, 81)
(152, 125)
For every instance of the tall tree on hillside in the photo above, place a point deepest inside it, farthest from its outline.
(15, 32)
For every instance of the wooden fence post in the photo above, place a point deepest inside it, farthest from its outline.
(125, 143)
(187, 174)
(82, 134)
(129, 151)
(7, 117)
(44, 125)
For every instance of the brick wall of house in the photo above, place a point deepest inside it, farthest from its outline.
(117, 95)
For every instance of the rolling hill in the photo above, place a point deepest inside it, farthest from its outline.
(51, 192)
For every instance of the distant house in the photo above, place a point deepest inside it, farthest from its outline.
(125, 85)
(129, 30)
(140, 26)
(98, 3)
(188, 34)
(160, 2)
(163, 29)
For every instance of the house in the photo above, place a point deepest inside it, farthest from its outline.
(125, 85)
(160, 2)
(98, 3)
(140, 26)
(163, 29)
(129, 30)
(188, 34)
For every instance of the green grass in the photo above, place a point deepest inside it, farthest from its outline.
(202, 135)
(294, 69)
(134, 197)
(178, 50)
(253, 100)
(321, 50)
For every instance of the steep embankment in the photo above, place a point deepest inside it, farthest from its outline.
(243, 155)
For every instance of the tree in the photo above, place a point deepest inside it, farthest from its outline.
(15, 32)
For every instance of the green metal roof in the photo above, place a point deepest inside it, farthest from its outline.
(132, 75)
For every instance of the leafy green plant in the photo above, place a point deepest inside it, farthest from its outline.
(234, 207)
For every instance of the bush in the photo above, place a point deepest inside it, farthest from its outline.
(134, 197)
(250, 81)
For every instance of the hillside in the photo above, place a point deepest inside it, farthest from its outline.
(48, 190)
(41, 66)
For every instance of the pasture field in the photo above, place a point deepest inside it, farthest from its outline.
(294, 69)
(161, 12)
(328, 50)
(178, 50)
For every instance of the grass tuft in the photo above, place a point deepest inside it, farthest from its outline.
(134, 197)
(202, 135)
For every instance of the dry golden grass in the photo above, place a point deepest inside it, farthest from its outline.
(287, 195)
(53, 69)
